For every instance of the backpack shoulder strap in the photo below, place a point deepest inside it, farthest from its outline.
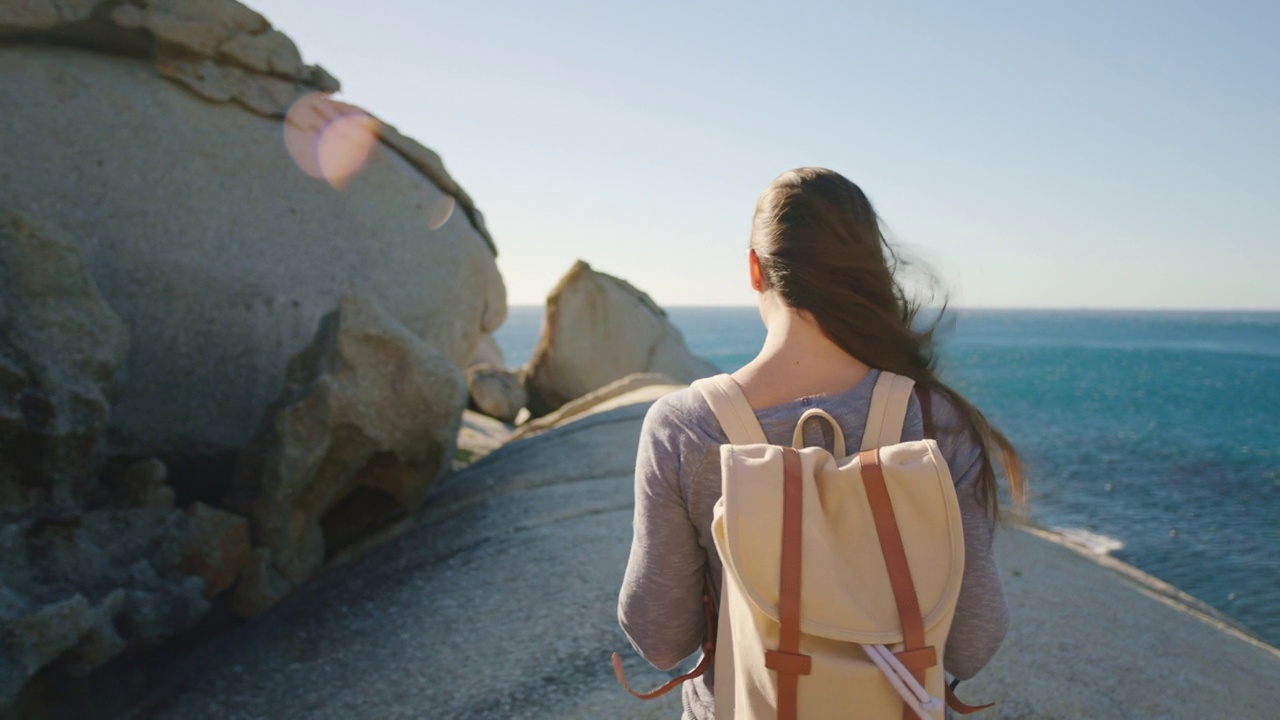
(732, 410)
(889, 400)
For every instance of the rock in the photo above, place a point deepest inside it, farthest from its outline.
(39, 638)
(217, 251)
(155, 608)
(192, 218)
(80, 587)
(367, 419)
(220, 83)
(268, 52)
(72, 630)
(487, 352)
(213, 545)
(60, 348)
(496, 392)
(430, 164)
(479, 436)
(19, 16)
(197, 26)
(632, 389)
(599, 329)
(261, 586)
(142, 484)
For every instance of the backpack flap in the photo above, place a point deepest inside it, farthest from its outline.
(845, 589)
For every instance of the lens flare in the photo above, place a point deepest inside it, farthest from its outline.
(329, 140)
(440, 210)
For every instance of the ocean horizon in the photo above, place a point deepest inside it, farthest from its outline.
(1149, 435)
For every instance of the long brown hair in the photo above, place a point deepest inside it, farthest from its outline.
(822, 250)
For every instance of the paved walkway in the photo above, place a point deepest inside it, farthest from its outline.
(498, 602)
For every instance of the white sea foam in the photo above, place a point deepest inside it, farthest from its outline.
(1091, 541)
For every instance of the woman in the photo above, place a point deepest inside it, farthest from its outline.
(835, 316)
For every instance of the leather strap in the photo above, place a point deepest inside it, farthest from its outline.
(895, 560)
(708, 651)
(956, 705)
(787, 661)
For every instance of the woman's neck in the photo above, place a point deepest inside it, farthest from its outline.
(797, 360)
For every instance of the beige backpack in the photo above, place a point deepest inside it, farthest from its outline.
(841, 573)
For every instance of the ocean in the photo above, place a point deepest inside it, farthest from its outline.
(1151, 436)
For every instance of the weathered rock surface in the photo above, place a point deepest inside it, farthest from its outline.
(219, 49)
(201, 232)
(598, 329)
(478, 436)
(60, 348)
(368, 418)
(78, 588)
(636, 387)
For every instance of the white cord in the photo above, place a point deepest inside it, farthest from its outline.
(912, 693)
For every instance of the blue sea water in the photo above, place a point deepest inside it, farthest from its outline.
(1154, 435)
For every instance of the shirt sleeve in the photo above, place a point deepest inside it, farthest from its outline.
(982, 615)
(660, 604)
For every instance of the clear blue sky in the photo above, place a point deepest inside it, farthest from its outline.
(1038, 154)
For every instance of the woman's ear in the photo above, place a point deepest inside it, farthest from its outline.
(757, 278)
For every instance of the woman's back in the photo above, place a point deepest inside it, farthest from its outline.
(677, 486)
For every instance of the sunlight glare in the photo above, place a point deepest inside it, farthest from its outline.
(329, 140)
(440, 210)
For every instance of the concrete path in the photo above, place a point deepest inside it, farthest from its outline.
(498, 602)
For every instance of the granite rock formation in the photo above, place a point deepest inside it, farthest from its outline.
(368, 418)
(598, 329)
(157, 134)
(182, 203)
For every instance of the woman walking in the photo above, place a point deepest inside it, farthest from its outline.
(836, 317)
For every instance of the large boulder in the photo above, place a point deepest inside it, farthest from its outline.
(367, 419)
(598, 329)
(154, 134)
(60, 348)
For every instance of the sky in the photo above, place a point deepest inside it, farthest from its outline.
(1117, 154)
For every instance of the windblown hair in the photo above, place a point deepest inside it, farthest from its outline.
(822, 250)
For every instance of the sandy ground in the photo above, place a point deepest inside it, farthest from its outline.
(498, 601)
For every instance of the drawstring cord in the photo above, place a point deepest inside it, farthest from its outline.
(912, 693)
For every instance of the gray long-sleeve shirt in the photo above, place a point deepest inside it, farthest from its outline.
(678, 484)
